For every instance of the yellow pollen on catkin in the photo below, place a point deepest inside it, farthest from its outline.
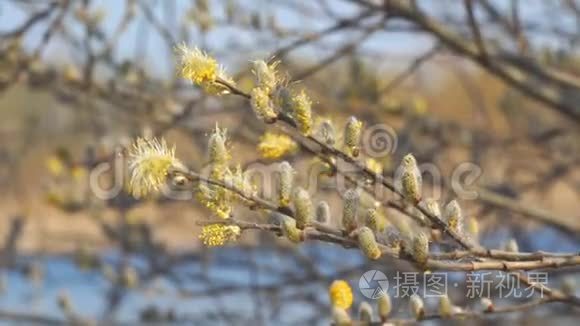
(275, 146)
(340, 294)
(262, 105)
(266, 75)
(197, 66)
(368, 244)
(149, 163)
(302, 112)
(421, 248)
(454, 216)
(285, 184)
(219, 234)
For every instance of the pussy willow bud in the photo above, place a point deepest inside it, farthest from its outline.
(374, 220)
(290, 230)
(411, 180)
(417, 307)
(349, 209)
(421, 248)
(454, 216)
(265, 74)
(261, 104)
(323, 212)
(303, 207)
(385, 306)
(432, 207)
(285, 184)
(445, 306)
(340, 317)
(326, 133)
(486, 304)
(302, 112)
(512, 246)
(352, 135)
(365, 313)
(367, 243)
(218, 151)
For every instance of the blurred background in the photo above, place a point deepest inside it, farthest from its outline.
(493, 83)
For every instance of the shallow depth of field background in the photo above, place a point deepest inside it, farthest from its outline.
(81, 83)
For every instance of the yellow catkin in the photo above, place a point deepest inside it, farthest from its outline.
(340, 294)
(385, 306)
(365, 313)
(302, 112)
(416, 307)
(326, 133)
(217, 147)
(454, 216)
(149, 163)
(367, 243)
(290, 230)
(421, 248)
(323, 212)
(350, 208)
(303, 208)
(411, 180)
(445, 306)
(197, 66)
(262, 105)
(275, 146)
(285, 184)
(219, 234)
(352, 136)
(266, 75)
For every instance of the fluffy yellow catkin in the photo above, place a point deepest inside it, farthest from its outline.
(365, 313)
(340, 317)
(196, 65)
(266, 75)
(367, 243)
(274, 146)
(285, 184)
(261, 104)
(290, 230)
(303, 208)
(149, 163)
(217, 148)
(454, 216)
(323, 212)
(445, 306)
(302, 112)
(340, 294)
(417, 307)
(421, 248)
(352, 136)
(219, 234)
(325, 133)
(385, 306)
(410, 179)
